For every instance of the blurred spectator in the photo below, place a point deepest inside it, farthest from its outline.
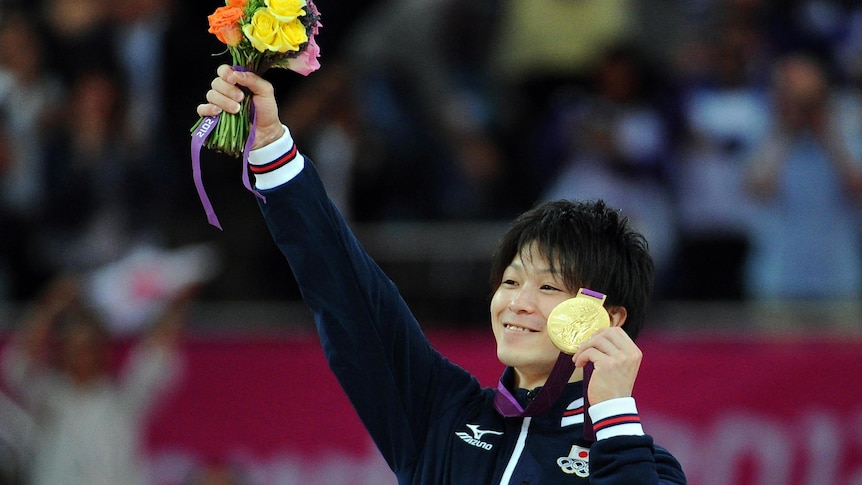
(420, 69)
(140, 28)
(78, 32)
(828, 29)
(120, 44)
(543, 46)
(614, 143)
(88, 219)
(141, 34)
(724, 111)
(548, 39)
(670, 31)
(326, 118)
(807, 179)
(848, 48)
(89, 423)
(30, 93)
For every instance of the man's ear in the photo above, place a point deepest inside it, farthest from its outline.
(618, 315)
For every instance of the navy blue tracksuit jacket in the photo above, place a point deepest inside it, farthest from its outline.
(431, 419)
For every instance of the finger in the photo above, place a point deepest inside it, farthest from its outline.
(582, 356)
(585, 355)
(254, 83)
(224, 71)
(220, 100)
(598, 341)
(228, 89)
(622, 343)
(613, 342)
(611, 338)
(208, 110)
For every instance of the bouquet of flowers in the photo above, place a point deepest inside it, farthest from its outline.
(258, 35)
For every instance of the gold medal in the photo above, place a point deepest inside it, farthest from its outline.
(574, 321)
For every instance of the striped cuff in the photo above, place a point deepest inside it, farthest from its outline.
(616, 417)
(271, 164)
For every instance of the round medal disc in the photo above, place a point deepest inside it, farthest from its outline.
(574, 321)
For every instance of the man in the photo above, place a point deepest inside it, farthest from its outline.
(88, 421)
(805, 173)
(431, 420)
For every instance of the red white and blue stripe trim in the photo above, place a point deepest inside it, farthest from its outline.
(574, 413)
(276, 163)
(616, 417)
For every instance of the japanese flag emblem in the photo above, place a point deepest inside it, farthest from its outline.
(577, 462)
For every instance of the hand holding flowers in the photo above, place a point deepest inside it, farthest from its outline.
(258, 35)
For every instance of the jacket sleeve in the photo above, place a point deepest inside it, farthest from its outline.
(623, 453)
(633, 460)
(393, 377)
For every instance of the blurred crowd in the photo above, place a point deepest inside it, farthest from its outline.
(729, 131)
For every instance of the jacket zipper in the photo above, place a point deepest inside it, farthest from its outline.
(516, 453)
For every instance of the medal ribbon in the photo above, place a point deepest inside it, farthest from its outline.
(506, 404)
(589, 431)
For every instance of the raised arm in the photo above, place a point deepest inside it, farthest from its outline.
(26, 359)
(155, 364)
(396, 382)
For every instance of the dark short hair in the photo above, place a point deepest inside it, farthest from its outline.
(588, 244)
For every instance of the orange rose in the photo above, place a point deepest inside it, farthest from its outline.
(237, 3)
(224, 24)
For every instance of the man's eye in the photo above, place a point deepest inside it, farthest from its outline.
(509, 282)
(550, 288)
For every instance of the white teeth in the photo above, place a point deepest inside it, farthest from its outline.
(517, 329)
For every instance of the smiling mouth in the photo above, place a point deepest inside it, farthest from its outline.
(515, 328)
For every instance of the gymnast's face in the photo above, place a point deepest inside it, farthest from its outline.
(527, 293)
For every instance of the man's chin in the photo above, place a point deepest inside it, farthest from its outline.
(515, 357)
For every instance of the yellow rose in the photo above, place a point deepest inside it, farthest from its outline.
(262, 31)
(286, 10)
(291, 35)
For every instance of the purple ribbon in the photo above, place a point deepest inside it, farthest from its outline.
(247, 149)
(589, 431)
(592, 293)
(508, 406)
(199, 137)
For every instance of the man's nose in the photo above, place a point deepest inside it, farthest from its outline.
(524, 300)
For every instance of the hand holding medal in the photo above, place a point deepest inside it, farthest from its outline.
(573, 322)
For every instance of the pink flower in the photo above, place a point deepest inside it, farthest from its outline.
(314, 11)
(306, 62)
